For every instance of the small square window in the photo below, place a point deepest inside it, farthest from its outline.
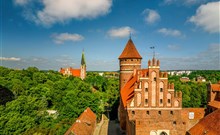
(133, 112)
(148, 113)
(159, 112)
(171, 112)
(146, 89)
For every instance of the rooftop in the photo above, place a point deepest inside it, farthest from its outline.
(209, 125)
(130, 51)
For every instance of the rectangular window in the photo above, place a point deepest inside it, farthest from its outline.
(161, 89)
(169, 101)
(155, 78)
(159, 112)
(146, 101)
(147, 112)
(171, 112)
(161, 101)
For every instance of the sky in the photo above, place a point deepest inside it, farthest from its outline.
(50, 34)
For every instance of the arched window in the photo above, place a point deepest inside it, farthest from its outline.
(163, 133)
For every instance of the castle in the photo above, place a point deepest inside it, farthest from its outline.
(149, 105)
(81, 73)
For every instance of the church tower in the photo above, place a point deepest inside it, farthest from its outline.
(83, 67)
(129, 60)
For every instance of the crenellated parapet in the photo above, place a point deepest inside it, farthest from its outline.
(154, 63)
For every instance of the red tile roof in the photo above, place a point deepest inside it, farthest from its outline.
(130, 51)
(215, 87)
(73, 72)
(127, 92)
(84, 125)
(209, 125)
(215, 104)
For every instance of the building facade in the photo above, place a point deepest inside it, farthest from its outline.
(81, 73)
(149, 104)
(213, 97)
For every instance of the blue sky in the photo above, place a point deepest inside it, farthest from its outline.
(49, 35)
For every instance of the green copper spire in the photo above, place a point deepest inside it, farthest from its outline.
(83, 61)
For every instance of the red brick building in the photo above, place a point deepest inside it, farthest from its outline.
(149, 104)
(208, 125)
(81, 73)
(213, 97)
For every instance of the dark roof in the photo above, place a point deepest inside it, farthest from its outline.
(130, 51)
(209, 125)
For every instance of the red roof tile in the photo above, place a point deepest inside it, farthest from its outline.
(84, 125)
(215, 104)
(127, 92)
(130, 51)
(209, 125)
(73, 72)
(215, 87)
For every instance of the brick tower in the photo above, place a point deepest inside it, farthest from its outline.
(129, 60)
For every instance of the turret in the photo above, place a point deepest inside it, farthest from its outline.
(129, 60)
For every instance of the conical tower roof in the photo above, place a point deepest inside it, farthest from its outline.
(130, 51)
(83, 61)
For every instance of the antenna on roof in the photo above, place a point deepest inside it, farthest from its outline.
(153, 48)
(129, 34)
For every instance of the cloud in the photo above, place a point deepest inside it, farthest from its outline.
(121, 32)
(10, 59)
(63, 11)
(207, 17)
(208, 59)
(151, 16)
(62, 37)
(174, 47)
(170, 32)
(184, 2)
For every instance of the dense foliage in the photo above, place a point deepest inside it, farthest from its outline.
(28, 95)
(194, 94)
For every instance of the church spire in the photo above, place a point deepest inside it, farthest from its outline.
(83, 61)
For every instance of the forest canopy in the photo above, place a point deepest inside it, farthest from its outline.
(46, 102)
(28, 96)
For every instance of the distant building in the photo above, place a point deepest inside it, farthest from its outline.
(200, 79)
(178, 73)
(84, 125)
(81, 73)
(213, 97)
(184, 79)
